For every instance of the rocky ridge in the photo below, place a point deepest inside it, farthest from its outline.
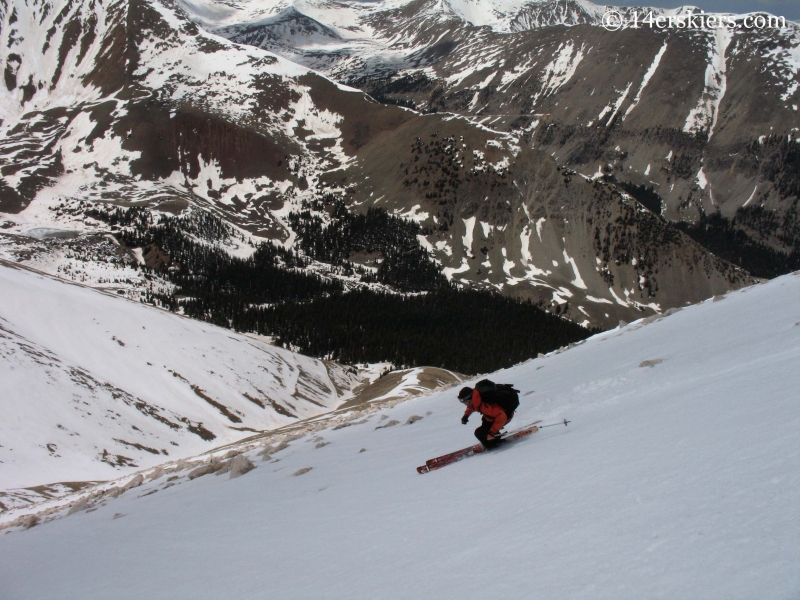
(134, 103)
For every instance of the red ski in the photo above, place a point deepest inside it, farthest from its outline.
(449, 459)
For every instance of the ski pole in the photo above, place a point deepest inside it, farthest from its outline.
(564, 422)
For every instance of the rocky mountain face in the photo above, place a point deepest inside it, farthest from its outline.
(528, 121)
(706, 117)
(131, 103)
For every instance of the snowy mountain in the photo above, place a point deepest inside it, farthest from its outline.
(228, 160)
(95, 386)
(678, 476)
(706, 117)
(132, 103)
(578, 91)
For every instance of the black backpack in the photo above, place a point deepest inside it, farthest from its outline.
(502, 394)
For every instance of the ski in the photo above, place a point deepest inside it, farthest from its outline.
(453, 457)
(448, 458)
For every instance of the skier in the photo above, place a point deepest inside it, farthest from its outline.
(494, 415)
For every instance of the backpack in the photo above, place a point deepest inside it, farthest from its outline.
(502, 394)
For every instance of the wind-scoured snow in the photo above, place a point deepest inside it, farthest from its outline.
(678, 477)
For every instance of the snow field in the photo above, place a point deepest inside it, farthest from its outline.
(677, 478)
(83, 372)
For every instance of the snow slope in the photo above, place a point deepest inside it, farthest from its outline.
(95, 386)
(677, 478)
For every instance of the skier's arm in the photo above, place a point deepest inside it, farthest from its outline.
(474, 403)
(499, 422)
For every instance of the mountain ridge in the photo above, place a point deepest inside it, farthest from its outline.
(251, 143)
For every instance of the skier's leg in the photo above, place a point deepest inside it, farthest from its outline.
(482, 431)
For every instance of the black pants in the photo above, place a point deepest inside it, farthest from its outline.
(481, 433)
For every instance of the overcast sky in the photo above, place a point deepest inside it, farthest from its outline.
(786, 8)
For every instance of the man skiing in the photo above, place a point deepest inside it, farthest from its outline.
(496, 405)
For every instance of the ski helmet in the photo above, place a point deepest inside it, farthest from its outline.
(465, 394)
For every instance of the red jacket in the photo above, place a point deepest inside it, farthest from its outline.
(490, 412)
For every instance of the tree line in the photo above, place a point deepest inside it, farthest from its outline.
(418, 318)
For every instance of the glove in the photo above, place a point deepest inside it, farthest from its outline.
(464, 419)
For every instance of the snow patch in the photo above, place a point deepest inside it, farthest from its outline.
(704, 115)
(647, 76)
(701, 179)
(578, 281)
(466, 239)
